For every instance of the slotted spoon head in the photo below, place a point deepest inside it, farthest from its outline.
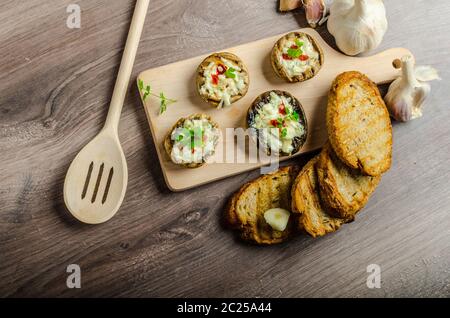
(96, 181)
(97, 178)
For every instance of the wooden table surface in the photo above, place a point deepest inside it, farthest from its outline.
(56, 84)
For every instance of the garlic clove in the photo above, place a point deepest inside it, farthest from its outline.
(407, 94)
(400, 109)
(316, 11)
(277, 218)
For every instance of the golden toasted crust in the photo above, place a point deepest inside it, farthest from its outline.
(264, 98)
(358, 123)
(311, 216)
(168, 142)
(215, 57)
(245, 210)
(343, 191)
(279, 68)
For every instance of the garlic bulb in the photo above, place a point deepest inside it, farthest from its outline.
(407, 93)
(357, 25)
(317, 11)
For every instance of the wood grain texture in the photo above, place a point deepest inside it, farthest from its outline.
(56, 85)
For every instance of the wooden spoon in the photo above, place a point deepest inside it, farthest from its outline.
(96, 181)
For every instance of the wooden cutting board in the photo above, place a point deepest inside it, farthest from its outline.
(177, 80)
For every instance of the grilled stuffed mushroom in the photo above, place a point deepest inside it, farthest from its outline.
(279, 122)
(222, 79)
(192, 140)
(296, 57)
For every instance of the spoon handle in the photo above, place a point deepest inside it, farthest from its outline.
(126, 65)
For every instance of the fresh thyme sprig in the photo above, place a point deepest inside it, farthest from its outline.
(146, 91)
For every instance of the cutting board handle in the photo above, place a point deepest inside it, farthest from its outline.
(126, 65)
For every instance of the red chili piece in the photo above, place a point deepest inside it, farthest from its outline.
(304, 57)
(286, 57)
(282, 109)
(215, 79)
(221, 69)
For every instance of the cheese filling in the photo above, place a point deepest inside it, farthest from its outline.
(194, 142)
(278, 124)
(298, 55)
(223, 80)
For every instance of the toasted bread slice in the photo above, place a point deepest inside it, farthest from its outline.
(359, 127)
(343, 190)
(311, 216)
(245, 210)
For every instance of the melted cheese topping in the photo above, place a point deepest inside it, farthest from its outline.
(296, 66)
(226, 87)
(194, 142)
(277, 128)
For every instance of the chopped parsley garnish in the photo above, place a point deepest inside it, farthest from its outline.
(288, 111)
(182, 135)
(295, 51)
(196, 135)
(192, 137)
(283, 132)
(230, 72)
(299, 43)
(279, 122)
(146, 90)
(291, 114)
